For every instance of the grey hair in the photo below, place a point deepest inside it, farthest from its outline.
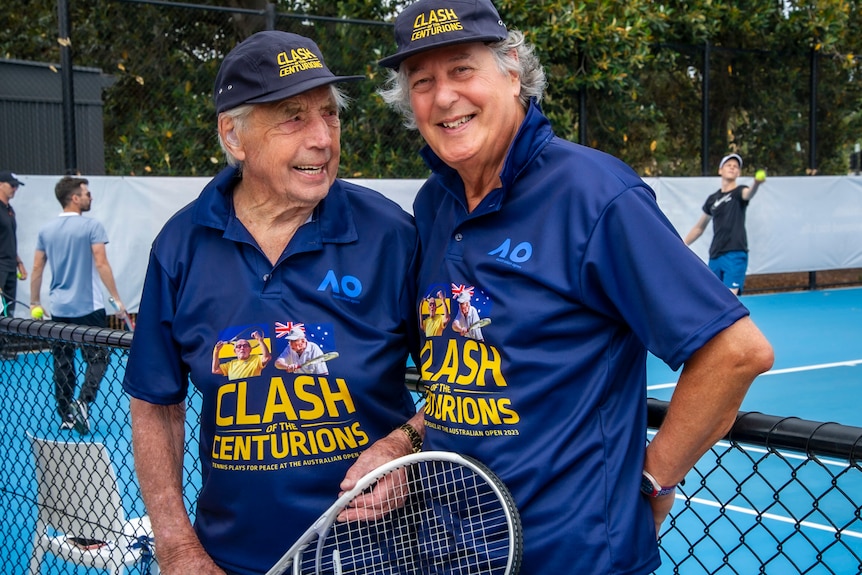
(241, 113)
(524, 62)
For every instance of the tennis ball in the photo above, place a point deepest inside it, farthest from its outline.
(760, 175)
(20, 276)
(37, 312)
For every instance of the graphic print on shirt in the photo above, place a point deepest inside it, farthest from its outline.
(303, 353)
(465, 390)
(434, 313)
(242, 355)
(723, 200)
(279, 406)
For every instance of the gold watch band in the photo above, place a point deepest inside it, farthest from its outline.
(413, 436)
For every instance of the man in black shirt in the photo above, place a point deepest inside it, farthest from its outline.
(11, 267)
(728, 252)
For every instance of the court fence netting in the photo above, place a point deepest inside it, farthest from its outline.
(777, 495)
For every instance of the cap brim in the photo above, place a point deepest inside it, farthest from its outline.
(394, 61)
(300, 87)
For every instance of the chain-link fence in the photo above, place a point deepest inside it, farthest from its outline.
(779, 495)
(789, 111)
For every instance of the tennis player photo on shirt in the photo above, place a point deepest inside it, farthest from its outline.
(434, 313)
(302, 355)
(468, 322)
(246, 356)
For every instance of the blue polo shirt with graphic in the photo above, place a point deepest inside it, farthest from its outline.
(275, 445)
(580, 274)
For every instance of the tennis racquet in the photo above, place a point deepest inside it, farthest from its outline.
(481, 323)
(319, 358)
(247, 332)
(127, 318)
(428, 512)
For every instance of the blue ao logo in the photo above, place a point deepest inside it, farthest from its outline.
(348, 288)
(512, 256)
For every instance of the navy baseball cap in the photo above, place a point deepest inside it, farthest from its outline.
(10, 178)
(429, 24)
(270, 66)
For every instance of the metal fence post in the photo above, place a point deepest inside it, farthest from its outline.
(67, 74)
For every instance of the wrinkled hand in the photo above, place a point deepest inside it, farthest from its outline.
(387, 494)
(661, 507)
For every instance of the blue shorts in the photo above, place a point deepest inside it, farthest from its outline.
(730, 268)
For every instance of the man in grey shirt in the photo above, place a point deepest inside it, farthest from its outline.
(74, 246)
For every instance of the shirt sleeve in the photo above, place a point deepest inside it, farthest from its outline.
(636, 268)
(155, 372)
(98, 234)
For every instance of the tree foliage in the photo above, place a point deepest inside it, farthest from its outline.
(637, 66)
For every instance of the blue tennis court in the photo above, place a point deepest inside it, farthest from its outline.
(817, 375)
(817, 337)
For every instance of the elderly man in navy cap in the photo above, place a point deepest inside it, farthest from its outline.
(275, 236)
(11, 267)
(583, 275)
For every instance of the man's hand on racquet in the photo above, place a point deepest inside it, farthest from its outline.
(384, 450)
(387, 495)
(370, 506)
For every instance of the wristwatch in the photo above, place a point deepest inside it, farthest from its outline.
(413, 436)
(652, 488)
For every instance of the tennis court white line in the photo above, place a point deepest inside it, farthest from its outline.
(849, 363)
(772, 516)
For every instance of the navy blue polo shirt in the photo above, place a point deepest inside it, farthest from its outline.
(274, 445)
(580, 274)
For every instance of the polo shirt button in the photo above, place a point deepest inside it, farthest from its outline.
(458, 237)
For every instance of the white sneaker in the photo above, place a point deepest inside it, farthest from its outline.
(68, 423)
(79, 413)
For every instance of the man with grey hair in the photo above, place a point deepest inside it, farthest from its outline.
(275, 235)
(467, 319)
(298, 355)
(584, 275)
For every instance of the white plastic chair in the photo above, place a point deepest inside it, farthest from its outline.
(78, 497)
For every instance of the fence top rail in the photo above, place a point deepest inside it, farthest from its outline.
(813, 438)
(66, 332)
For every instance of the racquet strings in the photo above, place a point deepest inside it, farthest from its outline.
(446, 519)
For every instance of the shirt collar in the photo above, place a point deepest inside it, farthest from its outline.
(332, 220)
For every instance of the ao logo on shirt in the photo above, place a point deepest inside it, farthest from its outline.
(349, 286)
(513, 256)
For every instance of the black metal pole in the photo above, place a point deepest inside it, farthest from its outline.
(704, 120)
(67, 74)
(270, 16)
(582, 115)
(812, 117)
